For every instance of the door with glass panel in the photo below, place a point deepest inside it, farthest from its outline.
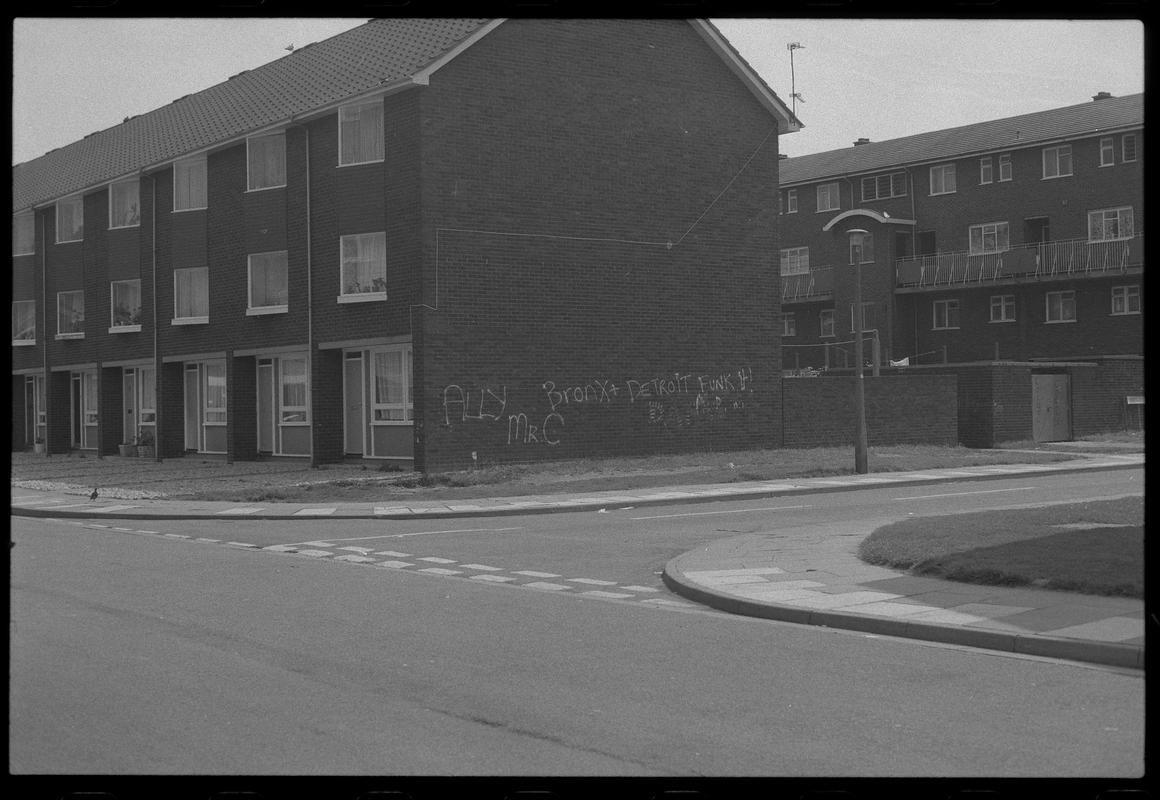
(391, 402)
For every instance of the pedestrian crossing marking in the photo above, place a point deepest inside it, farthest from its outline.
(601, 593)
(394, 553)
(362, 550)
(482, 567)
(492, 578)
(534, 574)
(314, 553)
(394, 564)
(355, 559)
(437, 560)
(551, 587)
(440, 571)
(592, 581)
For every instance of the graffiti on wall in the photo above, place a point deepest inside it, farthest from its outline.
(672, 402)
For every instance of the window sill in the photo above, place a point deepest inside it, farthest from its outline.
(1056, 177)
(184, 210)
(70, 241)
(60, 336)
(124, 227)
(948, 328)
(1000, 321)
(1124, 314)
(1107, 165)
(395, 422)
(189, 321)
(29, 253)
(939, 194)
(263, 310)
(23, 342)
(340, 165)
(1059, 322)
(365, 297)
(294, 424)
(265, 188)
(125, 329)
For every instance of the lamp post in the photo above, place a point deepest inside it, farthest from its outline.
(861, 465)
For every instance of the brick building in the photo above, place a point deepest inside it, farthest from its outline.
(1016, 242)
(434, 242)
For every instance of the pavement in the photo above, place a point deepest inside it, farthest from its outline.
(812, 578)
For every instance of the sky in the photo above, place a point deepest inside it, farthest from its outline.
(879, 79)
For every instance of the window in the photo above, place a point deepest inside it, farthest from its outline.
(360, 133)
(267, 161)
(1005, 167)
(946, 314)
(125, 300)
(868, 317)
(147, 386)
(788, 324)
(826, 322)
(70, 219)
(89, 397)
(882, 187)
(942, 179)
(215, 393)
(795, 261)
(391, 378)
(991, 237)
(293, 380)
(189, 184)
(124, 204)
(1108, 224)
(24, 322)
(828, 198)
(268, 288)
(364, 266)
(1107, 152)
(862, 248)
(1061, 306)
(23, 233)
(986, 170)
(1057, 161)
(791, 201)
(1128, 148)
(70, 314)
(1126, 299)
(191, 295)
(1002, 308)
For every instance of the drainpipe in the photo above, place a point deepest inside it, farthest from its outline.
(310, 365)
(158, 386)
(44, 327)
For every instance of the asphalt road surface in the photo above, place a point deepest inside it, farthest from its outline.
(133, 653)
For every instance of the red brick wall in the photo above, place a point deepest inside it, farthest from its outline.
(1098, 396)
(560, 159)
(902, 409)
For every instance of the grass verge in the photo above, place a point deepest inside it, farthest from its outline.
(1091, 548)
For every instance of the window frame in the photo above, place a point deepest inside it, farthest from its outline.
(268, 308)
(294, 409)
(407, 406)
(832, 191)
(133, 210)
(1005, 166)
(943, 170)
(890, 186)
(1058, 151)
(130, 327)
(79, 201)
(147, 400)
(791, 201)
(221, 413)
(866, 304)
(1128, 137)
(982, 227)
(381, 140)
(1107, 151)
(182, 167)
(20, 221)
(942, 312)
(1006, 301)
(1119, 221)
(788, 324)
(798, 264)
(80, 322)
(367, 296)
(986, 170)
(826, 320)
(90, 398)
(250, 163)
(1066, 300)
(23, 341)
(194, 319)
(1127, 293)
(865, 238)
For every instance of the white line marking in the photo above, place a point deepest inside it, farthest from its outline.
(533, 574)
(640, 588)
(239, 511)
(957, 494)
(107, 509)
(242, 544)
(711, 513)
(314, 553)
(592, 582)
(281, 548)
(661, 601)
(551, 587)
(213, 541)
(482, 567)
(598, 593)
(92, 525)
(394, 553)
(327, 543)
(440, 571)
(394, 564)
(492, 578)
(361, 550)
(355, 559)
(314, 512)
(437, 560)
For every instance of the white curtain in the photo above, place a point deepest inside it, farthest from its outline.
(191, 292)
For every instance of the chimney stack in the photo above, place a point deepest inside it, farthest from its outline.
(861, 141)
(1102, 96)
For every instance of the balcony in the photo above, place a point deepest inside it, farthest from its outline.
(807, 287)
(1073, 258)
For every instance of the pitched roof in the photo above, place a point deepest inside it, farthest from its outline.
(1109, 113)
(376, 54)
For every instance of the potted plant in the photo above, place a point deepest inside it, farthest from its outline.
(39, 446)
(145, 446)
(128, 449)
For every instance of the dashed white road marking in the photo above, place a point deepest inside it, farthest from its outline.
(394, 553)
(551, 587)
(437, 560)
(601, 593)
(484, 567)
(592, 581)
(534, 574)
(314, 553)
(394, 564)
(715, 513)
(355, 559)
(362, 550)
(241, 544)
(281, 548)
(492, 578)
(957, 494)
(440, 571)
(203, 539)
(640, 588)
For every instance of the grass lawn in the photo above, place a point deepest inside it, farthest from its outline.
(1093, 547)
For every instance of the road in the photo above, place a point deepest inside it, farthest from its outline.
(136, 653)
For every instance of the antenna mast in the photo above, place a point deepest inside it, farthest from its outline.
(794, 94)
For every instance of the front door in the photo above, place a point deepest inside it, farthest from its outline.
(266, 406)
(128, 393)
(192, 408)
(353, 421)
(1051, 407)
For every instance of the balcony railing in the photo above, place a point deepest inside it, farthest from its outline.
(1045, 260)
(817, 284)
